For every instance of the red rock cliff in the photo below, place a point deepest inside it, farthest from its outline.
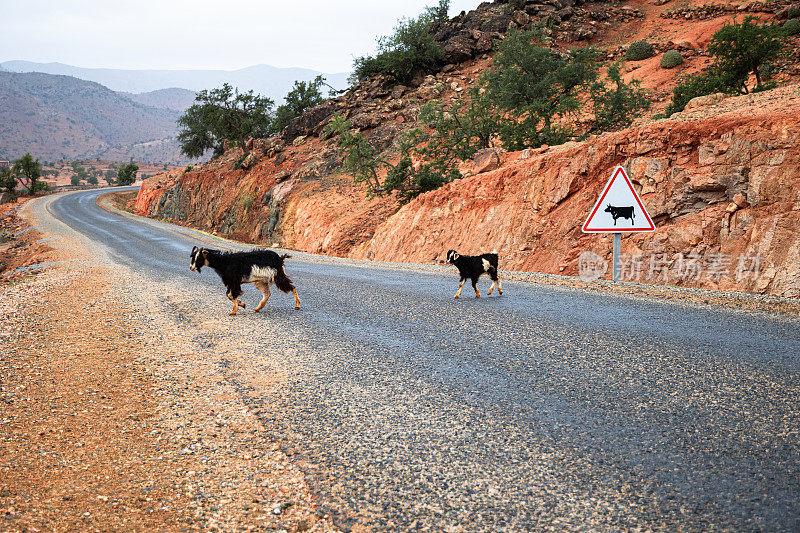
(722, 182)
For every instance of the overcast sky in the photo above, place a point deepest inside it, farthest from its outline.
(323, 35)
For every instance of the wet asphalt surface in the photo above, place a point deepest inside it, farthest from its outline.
(545, 408)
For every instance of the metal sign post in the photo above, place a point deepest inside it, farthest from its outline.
(616, 258)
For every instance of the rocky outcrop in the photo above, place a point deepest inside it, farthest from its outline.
(723, 192)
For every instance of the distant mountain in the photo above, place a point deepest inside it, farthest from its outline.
(55, 117)
(173, 98)
(263, 79)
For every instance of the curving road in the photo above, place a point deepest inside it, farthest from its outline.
(546, 408)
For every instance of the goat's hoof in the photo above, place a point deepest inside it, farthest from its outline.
(500, 292)
(456, 296)
(231, 314)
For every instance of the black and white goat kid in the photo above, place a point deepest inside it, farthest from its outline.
(472, 266)
(259, 267)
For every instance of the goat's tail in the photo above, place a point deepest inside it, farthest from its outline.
(494, 262)
(285, 256)
(283, 282)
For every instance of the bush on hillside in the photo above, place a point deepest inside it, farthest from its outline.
(639, 50)
(223, 113)
(671, 59)
(303, 96)
(791, 26)
(739, 50)
(411, 49)
(794, 11)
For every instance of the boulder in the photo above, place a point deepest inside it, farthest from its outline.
(458, 49)
(269, 147)
(365, 121)
(311, 122)
(702, 102)
(249, 160)
(486, 160)
(397, 91)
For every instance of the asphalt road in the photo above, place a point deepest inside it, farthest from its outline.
(543, 408)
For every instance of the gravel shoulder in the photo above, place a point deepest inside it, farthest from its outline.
(110, 420)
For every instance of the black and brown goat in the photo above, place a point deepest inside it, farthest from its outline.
(259, 267)
(472, 266)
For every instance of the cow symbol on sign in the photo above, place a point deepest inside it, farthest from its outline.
(620, 212)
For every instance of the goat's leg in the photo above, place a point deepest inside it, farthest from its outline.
(263, 288)
(460, 286)
(489, 292)
(475, 286)
(499, 286)
(296, 299)
(236, 303)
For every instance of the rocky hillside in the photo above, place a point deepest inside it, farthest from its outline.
(57, 117)
(720, 179)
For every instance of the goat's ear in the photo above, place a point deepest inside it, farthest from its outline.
(204, 252)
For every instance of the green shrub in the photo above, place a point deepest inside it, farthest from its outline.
(410, 50)
(671, 59)
(794, 11)
(791, 26)
(738, 49)
(639, 50)
(247, 202)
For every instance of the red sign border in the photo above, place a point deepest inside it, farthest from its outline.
(600, 202)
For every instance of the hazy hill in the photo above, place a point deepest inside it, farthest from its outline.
(263, 79)
(173, 98)
(56, 117)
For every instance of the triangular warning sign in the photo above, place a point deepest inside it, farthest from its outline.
(619, 208)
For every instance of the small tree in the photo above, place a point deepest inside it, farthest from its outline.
(360, 158)
(92, 180)
(28, 171)
(615, 107)
(411, 49)
(8, 182)
(536, 87)
(110, 176)
(75, 180)
(740, 49)
(304, 95)
(127, 174)
(220, 114)
(463, 128)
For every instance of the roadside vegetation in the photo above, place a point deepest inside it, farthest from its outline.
(25, 172)
(226, 114)
(740, 50)
(532, 96)
(409, 50)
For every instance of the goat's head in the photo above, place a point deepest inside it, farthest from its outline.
(452, 256)
(608, 208)
(198, 256)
